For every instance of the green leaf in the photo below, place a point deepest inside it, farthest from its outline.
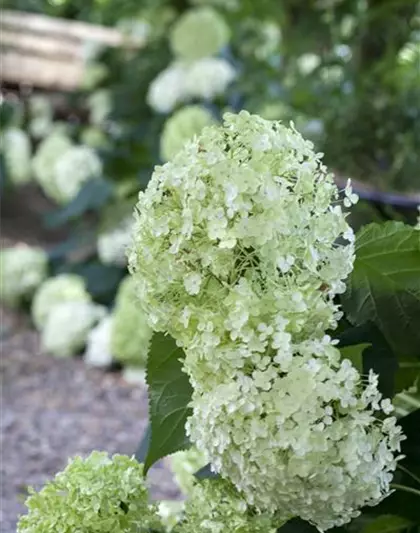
(355, 354)
(384, 286)
(169, 397)
(143, 448)
(387, 524)
(92, 196)
(205, 473)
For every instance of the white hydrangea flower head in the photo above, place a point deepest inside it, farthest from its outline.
(17, 155)
(113, 242)
(76, 166)
(167, 90)
(67, 327)
(98, 346)
(131, 334)
(235, 246)
(417, 226)
(199, 32)
(208, 78)
(55, 291)
(181, 127)
(302, 441)
(51, 149)
(22, 269)
(184, 464)
(216, 507)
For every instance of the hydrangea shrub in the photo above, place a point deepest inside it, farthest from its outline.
(22, 269)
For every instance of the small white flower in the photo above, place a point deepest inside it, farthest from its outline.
(351, 198)
(192, 283)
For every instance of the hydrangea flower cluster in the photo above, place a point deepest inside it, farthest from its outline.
(113, 242)
(181, 127)
(216, 507)
(204, 78)
(184, 464)
(98, 493)
(17, 155)
(130, 334)
(98, 344)
(67, 327)
(240, 246)
(199, 32)
(41, 116)
(23, 269)
(61, 168)
(51, 149)
(73, 169)
(55, 291)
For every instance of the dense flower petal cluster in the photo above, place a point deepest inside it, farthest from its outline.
(240, 247)
(17, 155)
(181, 127)
(235, 246)
(22, 269)
(199, 32)
(41, 116)
(98, 344)
(215, 506)
(73, 169)
(98, 493)
(180, 82)
(299, 440)
(51, 149)
(131, 334)
(55, 291)
(66, 329)
(184, 464)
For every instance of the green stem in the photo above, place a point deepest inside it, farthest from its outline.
(409, 473)
(405, 489)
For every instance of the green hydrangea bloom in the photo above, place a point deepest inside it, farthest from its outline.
(23, 269)
(200, 32)
(98, 494)
(184, 464)
(181, 127)
(57, 290)
(17, 155)
(131, 334)
(76, 166)
(216, 506)
(170, 512)
(66, 329)
(51, 149)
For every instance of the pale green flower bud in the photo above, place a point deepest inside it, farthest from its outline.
(131, 334)
(181, 127)
(200, 32)
(23, 269)
(99, 493)
(17, 155)
(55, 291)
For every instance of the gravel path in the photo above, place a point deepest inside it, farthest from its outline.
(53, 409)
